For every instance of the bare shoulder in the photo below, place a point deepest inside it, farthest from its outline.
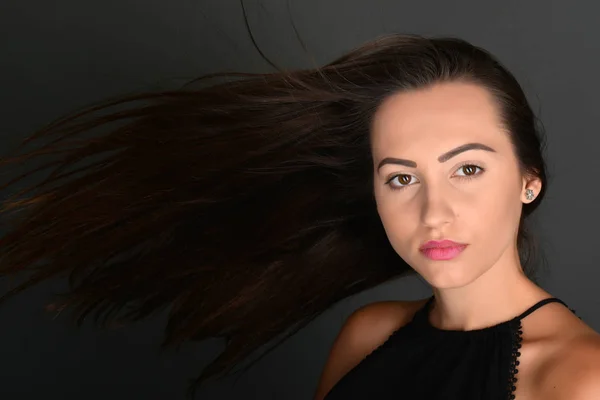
(574, 372)
(571, 369)
(370, 325)
(391, 314)
(375, 322)
(364, 330)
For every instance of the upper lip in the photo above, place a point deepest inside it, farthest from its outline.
(440, 243)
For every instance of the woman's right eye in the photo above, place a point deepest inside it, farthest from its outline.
(403, 179)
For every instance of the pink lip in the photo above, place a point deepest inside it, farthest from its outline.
(442, 250)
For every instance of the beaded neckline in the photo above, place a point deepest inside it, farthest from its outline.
(517, 338)
(513, 326)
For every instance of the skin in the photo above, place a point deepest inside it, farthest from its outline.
(485, 285)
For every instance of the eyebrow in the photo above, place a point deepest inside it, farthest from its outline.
(443, 158)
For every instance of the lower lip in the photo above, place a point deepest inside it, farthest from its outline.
(443, 253)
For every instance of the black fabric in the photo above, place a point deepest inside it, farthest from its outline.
(420, 361)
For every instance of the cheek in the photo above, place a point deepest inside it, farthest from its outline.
(400, 223)
(495, 212)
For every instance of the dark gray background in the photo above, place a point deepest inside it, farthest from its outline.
(59, 55)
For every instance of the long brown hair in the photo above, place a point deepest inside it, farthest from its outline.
(244, 205)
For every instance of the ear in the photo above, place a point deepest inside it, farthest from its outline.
(535, 184)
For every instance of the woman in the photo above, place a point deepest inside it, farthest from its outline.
(456, 162)
(253, 205)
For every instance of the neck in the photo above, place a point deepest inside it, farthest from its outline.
(500, 294)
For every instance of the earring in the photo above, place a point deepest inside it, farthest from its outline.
(529, 194)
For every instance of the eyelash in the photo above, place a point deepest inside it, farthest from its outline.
(465, 177)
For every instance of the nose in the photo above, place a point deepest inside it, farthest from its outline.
(436, 209)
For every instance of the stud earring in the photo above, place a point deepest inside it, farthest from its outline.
(529, 194)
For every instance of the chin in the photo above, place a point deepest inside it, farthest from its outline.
(446, 275)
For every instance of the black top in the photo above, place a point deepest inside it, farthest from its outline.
(420, 361)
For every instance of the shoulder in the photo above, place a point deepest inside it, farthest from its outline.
(367, 328)
(575, 371)
(384, 314)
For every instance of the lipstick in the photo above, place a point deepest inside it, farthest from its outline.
(442, 250)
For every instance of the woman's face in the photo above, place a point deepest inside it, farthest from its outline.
(472, 197)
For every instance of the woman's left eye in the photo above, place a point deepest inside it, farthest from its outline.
(469, 169)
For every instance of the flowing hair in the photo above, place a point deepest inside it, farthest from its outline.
(245, 205)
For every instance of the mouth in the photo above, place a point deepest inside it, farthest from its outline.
(442, 250)
(440, 244)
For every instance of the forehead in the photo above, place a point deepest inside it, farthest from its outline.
(439, 117)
